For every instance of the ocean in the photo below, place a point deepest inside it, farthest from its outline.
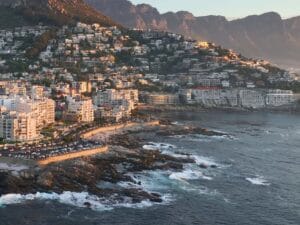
(252, 177)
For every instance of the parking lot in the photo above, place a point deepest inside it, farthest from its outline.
(42, 151)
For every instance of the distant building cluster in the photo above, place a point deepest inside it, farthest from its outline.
(92, 73)
(114, 104)
(23, 116)
(26, 109)
(13, 39)
(247, 98)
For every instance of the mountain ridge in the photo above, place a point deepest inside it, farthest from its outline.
(263, 36)
(58, 12)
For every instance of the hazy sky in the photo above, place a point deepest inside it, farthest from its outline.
(229, 8)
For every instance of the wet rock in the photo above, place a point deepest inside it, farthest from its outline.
(126, 141)
(87, 204)
(180, 130)
(165, 122)
(85, 174)
(26, 174)
(203, 166)
(45, 179)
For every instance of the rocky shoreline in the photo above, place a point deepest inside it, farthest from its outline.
(125, 156)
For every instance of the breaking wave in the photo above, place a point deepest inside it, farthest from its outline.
(158, 146)
(167, 182)
(189, 174)
(258, 181)
(81, 200)
(205, 138)
(151, 181)
(168, 149)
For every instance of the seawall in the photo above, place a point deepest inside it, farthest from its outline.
(131, 125)
(73, 155)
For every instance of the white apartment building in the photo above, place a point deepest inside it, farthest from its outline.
(248, 98)
(230, 97)
(18, 126)
(120, 103)
(279, 97)
(110, 114)
(208, 96)
(112, 97)
(162, 99)
(82, 109)
(22, 118)
(46, 112)
(43, 109)
(251, 98)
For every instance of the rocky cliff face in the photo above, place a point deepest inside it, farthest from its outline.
(267, 36)
(57, 11)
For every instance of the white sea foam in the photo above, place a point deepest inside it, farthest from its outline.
(188, 174)
(81, 200)
(69, 198)
(201, 160)
(268, 131)
(165, 182)
(158, 146)
(143, 204)
(166, 199)
(150, 181)
(205, 138)
(167, 150)
(194, 138)
(162, 181)
(175, 155)
(259, 180)
(127, 184)
(200, 190)
(176, 123)
(12, 167)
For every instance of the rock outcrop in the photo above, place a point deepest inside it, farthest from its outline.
(84, 175)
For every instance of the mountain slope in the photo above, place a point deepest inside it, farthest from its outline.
(266, 36)
(58, 12)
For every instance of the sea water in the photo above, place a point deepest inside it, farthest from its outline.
(251, 176)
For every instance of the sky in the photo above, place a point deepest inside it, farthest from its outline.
(230, 8)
